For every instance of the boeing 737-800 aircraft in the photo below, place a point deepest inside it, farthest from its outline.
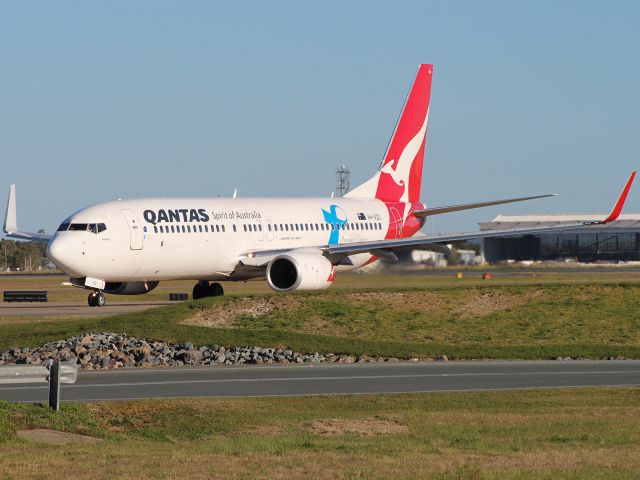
(128, 246)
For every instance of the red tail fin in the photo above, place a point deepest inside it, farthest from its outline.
(400, 174)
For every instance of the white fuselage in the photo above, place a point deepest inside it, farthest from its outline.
(203, 238)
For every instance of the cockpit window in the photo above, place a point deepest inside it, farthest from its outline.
(84, 227)
(78, 226)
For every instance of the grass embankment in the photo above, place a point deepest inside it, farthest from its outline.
(555, 434)
(489, 321)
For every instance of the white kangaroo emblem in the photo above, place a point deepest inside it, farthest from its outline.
(400, 174)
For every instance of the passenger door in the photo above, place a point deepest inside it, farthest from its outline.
(136, 235)
(396, 222)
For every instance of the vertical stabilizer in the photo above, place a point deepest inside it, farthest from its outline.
(10, 221)
(400, 174)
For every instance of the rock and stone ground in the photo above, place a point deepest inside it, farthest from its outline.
(95, 351)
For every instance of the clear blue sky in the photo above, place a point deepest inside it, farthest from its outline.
(100, 100)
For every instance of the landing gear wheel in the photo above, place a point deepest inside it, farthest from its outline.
(97, 299)
(215, 290)
(200, 290)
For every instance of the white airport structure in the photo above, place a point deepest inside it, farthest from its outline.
(615, 241)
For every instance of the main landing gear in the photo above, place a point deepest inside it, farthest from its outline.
(96, 299)
(204, 289)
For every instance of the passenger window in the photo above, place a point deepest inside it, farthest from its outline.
(269, 226)
(183, 229)
(234, 227)
(260, 227)
(245, 227)
(172, 229)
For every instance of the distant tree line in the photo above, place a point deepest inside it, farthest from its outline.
(22, 255)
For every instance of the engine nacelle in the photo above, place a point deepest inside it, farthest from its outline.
(129, 288)
(299, 271)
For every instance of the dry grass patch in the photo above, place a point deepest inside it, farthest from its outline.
(224, 314)
(363, 427)
(485, 302)
(53, 437)
(424, 301)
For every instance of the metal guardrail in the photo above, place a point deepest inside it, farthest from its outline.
(26, 296)
(54, 372)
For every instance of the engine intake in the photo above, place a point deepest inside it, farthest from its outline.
(129, 288)
(299, 271)
(121, 288)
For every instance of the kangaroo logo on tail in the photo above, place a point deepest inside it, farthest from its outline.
(400, 172)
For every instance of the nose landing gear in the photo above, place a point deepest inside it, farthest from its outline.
(204, 289)
(96, 299)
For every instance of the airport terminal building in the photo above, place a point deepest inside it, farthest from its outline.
(619, 240)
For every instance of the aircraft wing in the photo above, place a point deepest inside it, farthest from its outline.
(427, 212)
(11, 223)
(386, 248)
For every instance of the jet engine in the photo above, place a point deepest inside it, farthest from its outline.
(129, 288)
(299, 271)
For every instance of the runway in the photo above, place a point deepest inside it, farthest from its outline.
(266, 381)
(70, 309)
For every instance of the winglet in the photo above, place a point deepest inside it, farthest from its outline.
(617, 208)
(10, 221)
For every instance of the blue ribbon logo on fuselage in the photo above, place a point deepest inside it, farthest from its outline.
(337, 223)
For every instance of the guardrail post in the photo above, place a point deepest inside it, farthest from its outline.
(54, 385)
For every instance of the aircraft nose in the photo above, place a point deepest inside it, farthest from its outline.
(62, 252)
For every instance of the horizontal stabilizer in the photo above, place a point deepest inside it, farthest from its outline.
(427, 212)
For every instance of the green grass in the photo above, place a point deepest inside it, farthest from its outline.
(488, 321)
(559, 434)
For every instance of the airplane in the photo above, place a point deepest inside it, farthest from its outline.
(127, 247)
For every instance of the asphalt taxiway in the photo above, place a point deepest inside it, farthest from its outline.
(265, 381)
(71, 309)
